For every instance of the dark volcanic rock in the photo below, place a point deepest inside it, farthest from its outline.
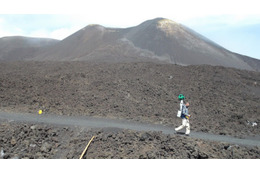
(223, 100)
(70, 143)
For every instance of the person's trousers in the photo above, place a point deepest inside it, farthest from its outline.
(185, 123)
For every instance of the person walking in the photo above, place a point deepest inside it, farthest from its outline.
(185, 119)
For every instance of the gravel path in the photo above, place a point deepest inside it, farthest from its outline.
(93, 122)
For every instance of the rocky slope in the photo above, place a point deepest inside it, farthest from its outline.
(223, 100)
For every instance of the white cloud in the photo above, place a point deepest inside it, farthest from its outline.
(4, 33)
(39, 33)
(62, 33)
(125, 12)
(58, 34)
(214, 24)
(45, 26)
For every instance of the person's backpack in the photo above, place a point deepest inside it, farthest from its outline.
(179, 113)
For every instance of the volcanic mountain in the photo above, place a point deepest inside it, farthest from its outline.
(21, 48)
(159, 40)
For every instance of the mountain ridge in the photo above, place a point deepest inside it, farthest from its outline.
(157, 40)
(21, 47)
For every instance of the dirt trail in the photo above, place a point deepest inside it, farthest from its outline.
(93, 122)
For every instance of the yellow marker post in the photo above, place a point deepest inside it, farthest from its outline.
(86, 148)
(40, 112)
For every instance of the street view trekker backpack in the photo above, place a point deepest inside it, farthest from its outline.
(181, 98)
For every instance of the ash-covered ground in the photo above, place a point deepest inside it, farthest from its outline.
(222, 101)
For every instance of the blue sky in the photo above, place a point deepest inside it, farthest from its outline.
(234, 25)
